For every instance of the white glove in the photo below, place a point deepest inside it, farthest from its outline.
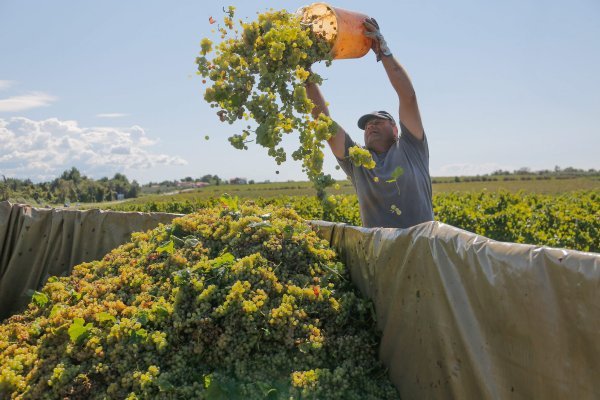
(379, 46)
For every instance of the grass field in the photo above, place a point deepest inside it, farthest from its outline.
(442, 185)
(542, 186)
(534, 184)
(557, 213)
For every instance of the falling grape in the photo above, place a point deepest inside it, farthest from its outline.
(361, 157)
(260, 74)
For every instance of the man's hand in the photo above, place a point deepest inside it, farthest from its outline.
(379, 45)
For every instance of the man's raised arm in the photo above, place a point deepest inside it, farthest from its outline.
(336, 142)
(409, 109)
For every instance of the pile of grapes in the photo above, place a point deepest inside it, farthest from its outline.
(258, 73)
(234, 301)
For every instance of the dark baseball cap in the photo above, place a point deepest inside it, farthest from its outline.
(362, 121)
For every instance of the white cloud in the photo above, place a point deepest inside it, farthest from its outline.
(4, 84)
(26, 102)
(43, 149)
(111, 115)
(120, 150)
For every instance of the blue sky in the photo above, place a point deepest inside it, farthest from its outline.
(110, 86)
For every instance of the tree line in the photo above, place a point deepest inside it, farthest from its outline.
(71, 186)
(210, 179)
(556, 172)
(525, 174)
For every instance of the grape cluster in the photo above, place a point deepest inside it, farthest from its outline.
(361, 157)
(233, 301)
(258, 72)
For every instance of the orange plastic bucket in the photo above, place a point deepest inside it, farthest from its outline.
(343, 29)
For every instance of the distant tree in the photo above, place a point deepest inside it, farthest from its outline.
(207, 178)
(119, 184)
(523, 171)
(4, 189)
(65, 190)
(72, 175)
(134, 190)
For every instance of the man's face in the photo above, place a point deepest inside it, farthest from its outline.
(380, 134)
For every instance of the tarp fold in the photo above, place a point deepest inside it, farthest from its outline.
(37, 243)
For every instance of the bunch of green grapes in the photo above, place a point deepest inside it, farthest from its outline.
(258, 72)
(361, 157)
(234, 301)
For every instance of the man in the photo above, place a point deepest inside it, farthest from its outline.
(406, 200)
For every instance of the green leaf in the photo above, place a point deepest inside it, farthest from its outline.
(142, 317)
(164, 385)
(139, 335)
(135, 338)
(166, 247)
(224, 259)
(182, 276)
(304, 347)
(76, 295)
(214, 390)
(288, 231)
(191, 241)
(40, 299)
(177, 241)
(160, 311)
(397, 173)
(104, 316)
(55, 309)
(267, 390)
(262, 224)
(77, 330)
(229, 202)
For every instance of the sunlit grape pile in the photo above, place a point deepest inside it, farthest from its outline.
(232, 302)
(258, 73)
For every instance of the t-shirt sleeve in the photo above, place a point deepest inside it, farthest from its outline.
(417, 147)
(345, 163)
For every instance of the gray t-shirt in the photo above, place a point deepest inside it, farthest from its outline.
(412, 194)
